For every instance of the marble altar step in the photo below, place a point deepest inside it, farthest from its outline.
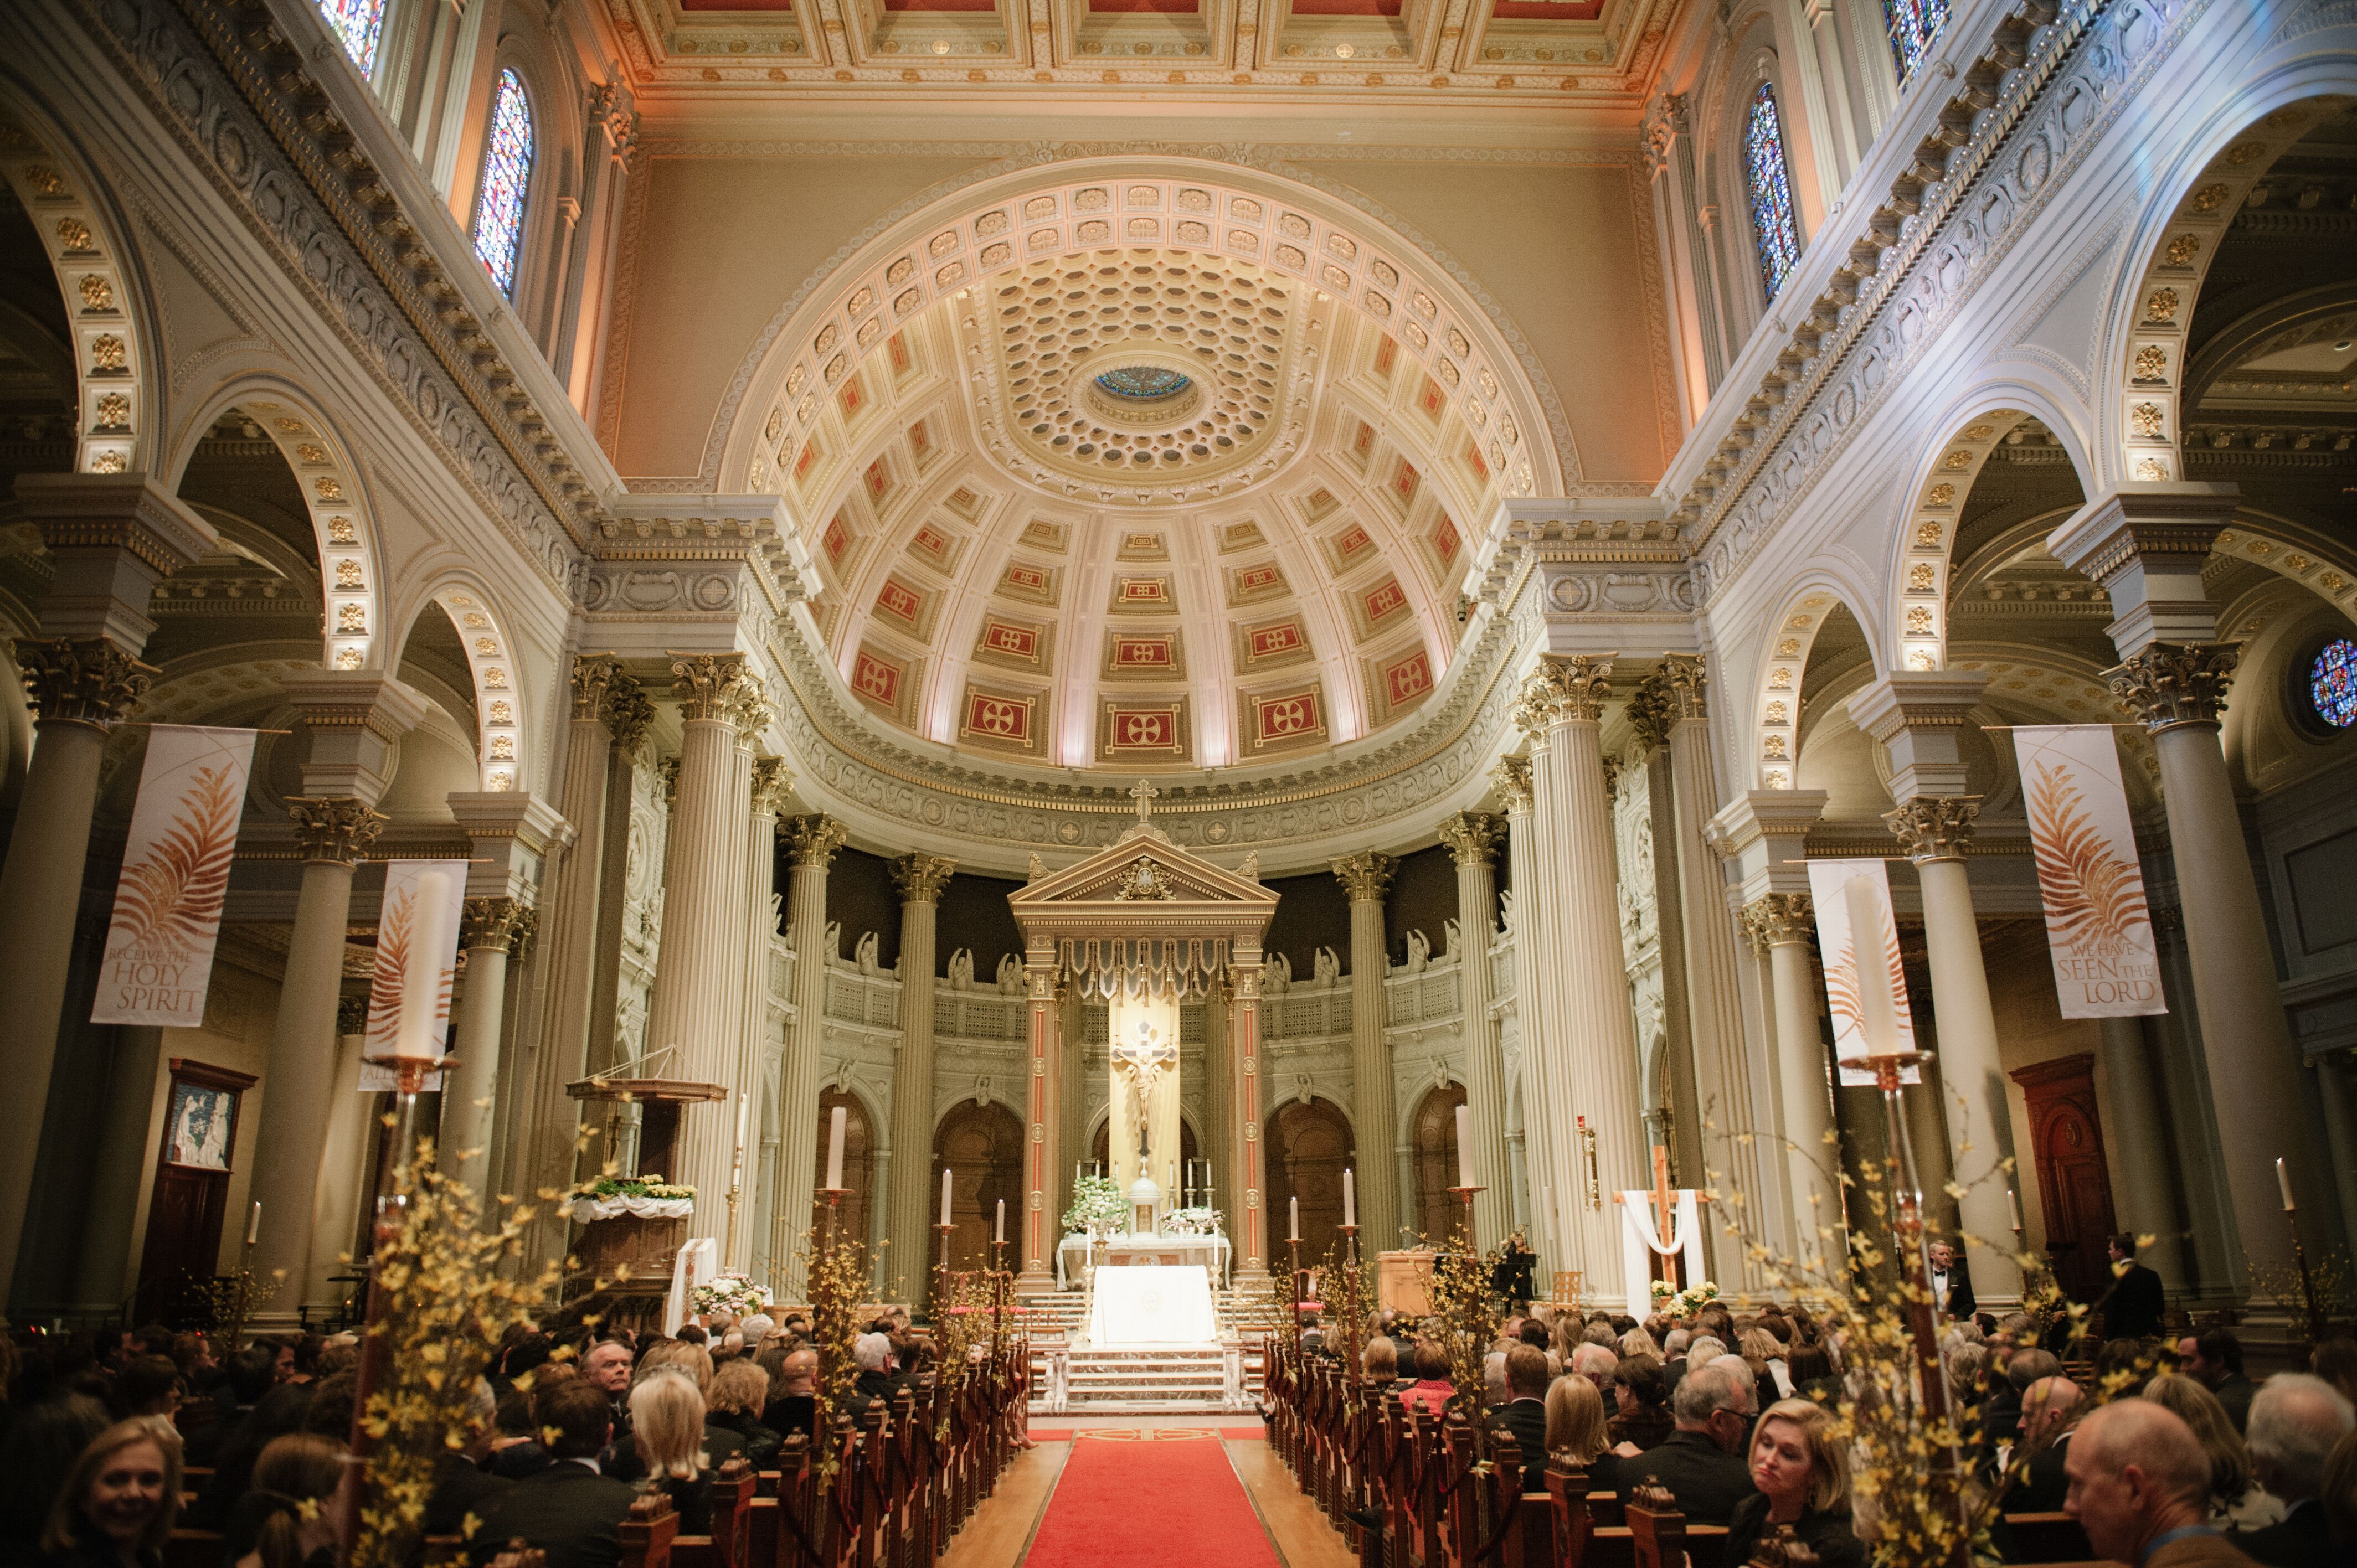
(1144, 1379)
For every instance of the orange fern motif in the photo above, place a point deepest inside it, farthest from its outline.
(391, 966)
(171, 898)
(2094, 900)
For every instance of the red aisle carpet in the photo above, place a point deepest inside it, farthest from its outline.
(1133, 1500)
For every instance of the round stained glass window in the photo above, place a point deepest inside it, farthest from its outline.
(1144, 382)
(2332, 682)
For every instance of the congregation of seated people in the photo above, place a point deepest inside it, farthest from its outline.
(1734, 1416)
(109, 1444)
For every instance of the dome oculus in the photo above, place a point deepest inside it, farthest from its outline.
(1144, 382)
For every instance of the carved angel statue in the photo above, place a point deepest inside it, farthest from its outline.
(962, 970)
(1327, 967)
(833, 938)
(1419, 952)
(864, 953)
(1506, 910)
(1275, 975)
(1452, 933)
(1010, 975)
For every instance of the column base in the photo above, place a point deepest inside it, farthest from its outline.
(1036, 1281)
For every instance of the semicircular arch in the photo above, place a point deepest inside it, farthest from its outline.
(501, 733)
(945, 240)
(1775, 716)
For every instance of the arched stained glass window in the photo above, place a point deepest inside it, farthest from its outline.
(1913, 25)
(507, 175)
(2332, 682)
(360, 22)
(1769, 181)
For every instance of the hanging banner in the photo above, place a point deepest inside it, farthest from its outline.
(416, 959)
(1866, 987)
(167, 903)
(2097, 928)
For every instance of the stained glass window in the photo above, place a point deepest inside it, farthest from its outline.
(1913, 25)
(359, 23)
(1142, 382)
(2332, 682)
(1771, 182)
(507, 175)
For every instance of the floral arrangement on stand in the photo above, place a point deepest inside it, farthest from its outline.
(645, 1196)
(1683, 1302)
(840, 1272)
(1464, 1321)
(234, 1297)
(1098, 1207)
(1193, 1222)
(733, 1294)
(452, 1288)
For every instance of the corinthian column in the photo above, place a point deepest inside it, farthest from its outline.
(1780, 925)
(919, 878)
(488, 929)
(1534, 924)
(1586, 1035)
(1367, 877)
(812, 845)
(2148, 544)
(1473, 838)
(762, 1051)
(698, 975)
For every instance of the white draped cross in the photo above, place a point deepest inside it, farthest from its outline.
(1641, 1242)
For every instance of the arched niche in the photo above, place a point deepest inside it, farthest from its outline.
(1309, 1146)
(1432, 1140)
(1773, 724)
(982, 1145)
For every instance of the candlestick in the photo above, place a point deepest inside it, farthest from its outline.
(1293, 1232)
(414, 1033)
(1350, 1199)
(835, 1147)
(1465, 1145)
(999, 1236)
(254, 1223)
(945, 1196)
(2283, 1180)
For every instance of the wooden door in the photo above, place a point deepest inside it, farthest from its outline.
(1310, 1145)
(2075, 1181)
(181, 1251)
(1439, 1214)
(852, 1218)
(982, 1147)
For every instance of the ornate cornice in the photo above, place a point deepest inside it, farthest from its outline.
(1366, 877)
(920, 878)
(2173, 684)
(1473, 837)
(814, 840)
(1934, 828)
(334, 829)
(80, 680)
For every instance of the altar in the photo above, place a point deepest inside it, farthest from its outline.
(1153, 1304)
(1210, 1252)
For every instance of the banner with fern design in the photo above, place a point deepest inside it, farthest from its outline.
(167, 903)
(398, 923)
(1861, 962)
(2098, 931)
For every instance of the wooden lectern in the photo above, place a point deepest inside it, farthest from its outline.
(626, 1260)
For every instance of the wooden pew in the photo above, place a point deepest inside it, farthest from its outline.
(2048, 1538)
(647, 1531)
(1657, 1531)
(731, 1544)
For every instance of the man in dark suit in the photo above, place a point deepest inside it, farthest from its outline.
(569, 1510)
(461, 1485)
(1702, 1462)
(2217, 1364)
(1951, 1283)
(2133, 1307)
(2296, 1422)
(1523, 1415)
(607, 1369)
(2047, 1410)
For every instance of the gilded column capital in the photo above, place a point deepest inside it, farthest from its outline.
(594, 675)
(1473, 837)
(750, 708)
(1368, 876)
(1512, 779)
(2173, 684)
(814, 840)
(1689, 682)
(770, 783)
(628, 713)
(1565, 689)
(708, 685)
(1933, 828)
(80, 680)
(920, 878)
(334, 828)
(1774, 918)
(498, 924)
(1653, 713)
(352, 1014)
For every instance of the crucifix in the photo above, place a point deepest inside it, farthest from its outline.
(1144, 795)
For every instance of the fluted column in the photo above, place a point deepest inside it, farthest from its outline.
(1733, 1094)
(812, 845)
(698, 972)
(2147, 544)
(1473, 838)
(2137, 1145)
(488, 929)
(920, 879)
(1367, 877)
(1587, 1036)
(512, 835)
(1781, 924)
(1043, 1068)
(1535, 926)
(756, 1067)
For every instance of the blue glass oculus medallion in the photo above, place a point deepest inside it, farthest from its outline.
(2332, 682)
(1143, 384)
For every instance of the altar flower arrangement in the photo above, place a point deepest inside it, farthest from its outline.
(1098, 1207)
(731, 1294)
(1662, 1291)
(1693, 1298)
(645, 1196)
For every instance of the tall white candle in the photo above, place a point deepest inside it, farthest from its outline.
(2013, 1210)
(417, 1033)
(945, 1197)
(1877, 1015)
(1350, 1197)
(744, 1113)
(2283, 1180)
(835, 1147)
(254, 1223)
(1293, 1232)
(1465, 1145)
(1001, 1234)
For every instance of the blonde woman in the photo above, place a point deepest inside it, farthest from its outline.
(116, 1507)
(1802, 1473)
(693, 1362)
(667, 1430)
(2237, 1498)
(740, 1391)
(1637, 1342)
(1575, 1426)
(1765, 1355)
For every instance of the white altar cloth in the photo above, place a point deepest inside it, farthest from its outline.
(1153, 1305)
